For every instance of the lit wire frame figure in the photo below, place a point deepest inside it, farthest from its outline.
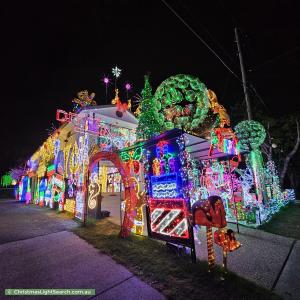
(117, 73)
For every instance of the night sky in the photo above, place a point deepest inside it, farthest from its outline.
(53, 49)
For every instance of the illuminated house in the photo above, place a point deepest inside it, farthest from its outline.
(179, 149)
(56, 169)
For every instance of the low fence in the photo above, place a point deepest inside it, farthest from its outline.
(8, 193)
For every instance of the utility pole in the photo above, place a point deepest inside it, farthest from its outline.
(247, 99)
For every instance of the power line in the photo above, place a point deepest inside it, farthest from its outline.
(276, 57)
(211, 36)
(198, 36)
(219, 58)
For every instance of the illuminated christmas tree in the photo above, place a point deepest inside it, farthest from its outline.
(149, 123)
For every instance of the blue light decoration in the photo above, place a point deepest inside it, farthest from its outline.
(48, 193)
(42, 191)
(290, 194)
(28, 191)
(71, 187)
(164, 186)
(23, 187)
(59, 163)
(56, 150)
(165, 180)
(229, 147)
(58, 190)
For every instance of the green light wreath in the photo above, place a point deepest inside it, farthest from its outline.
(251, 134)
(183, 103)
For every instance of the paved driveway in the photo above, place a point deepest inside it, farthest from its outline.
(37, 250)
(269, 260)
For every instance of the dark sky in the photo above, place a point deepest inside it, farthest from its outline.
(53, 49)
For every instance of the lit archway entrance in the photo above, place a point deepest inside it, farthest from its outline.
(131, 198)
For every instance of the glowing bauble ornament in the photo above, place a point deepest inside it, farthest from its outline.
(251, 134)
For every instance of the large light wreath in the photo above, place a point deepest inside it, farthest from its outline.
(182, 102)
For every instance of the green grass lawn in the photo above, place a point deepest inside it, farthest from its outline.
(286, 222)
(175, 276)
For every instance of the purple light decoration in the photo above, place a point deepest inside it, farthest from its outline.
(106, 81)
(127, 86)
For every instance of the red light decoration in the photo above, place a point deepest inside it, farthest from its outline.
(226, 239)
(63, 116)
(131, 198)
(219, 137)
(169, 217)
(121, 107)
(210, 213)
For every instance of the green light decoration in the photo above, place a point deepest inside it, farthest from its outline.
(135, 154)
(150, 121)
(273, 183)
(251, 134)
(257, 165)
(6, 180)
(183, 103)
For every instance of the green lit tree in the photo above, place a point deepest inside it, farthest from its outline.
(6, 180)
(149, 118)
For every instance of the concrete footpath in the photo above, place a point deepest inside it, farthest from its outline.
(37, 250)
(269, 260)
(31, 256)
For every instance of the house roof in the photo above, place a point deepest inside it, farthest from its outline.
(108, 114)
